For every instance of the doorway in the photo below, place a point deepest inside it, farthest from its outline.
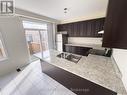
(36, 37)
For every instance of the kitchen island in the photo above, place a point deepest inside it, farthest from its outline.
(98, 70)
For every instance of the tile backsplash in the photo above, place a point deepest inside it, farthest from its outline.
(84, 40)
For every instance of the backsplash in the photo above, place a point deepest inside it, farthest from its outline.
(84, 40)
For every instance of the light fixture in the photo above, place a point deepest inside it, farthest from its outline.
(65, 10)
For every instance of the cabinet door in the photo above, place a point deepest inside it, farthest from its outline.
(115, 35)
(75, 33)
(67, 48)
(71, 30)
(88, 28)
(83, 28)
(60, 27)
(98, 28)
(93, 29)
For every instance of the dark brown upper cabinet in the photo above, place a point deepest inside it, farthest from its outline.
(115, 35)
(88, 28)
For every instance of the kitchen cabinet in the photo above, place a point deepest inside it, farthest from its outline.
(77, 50)
(115, 30)
(88, 28)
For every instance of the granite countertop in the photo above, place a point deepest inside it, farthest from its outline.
(98, 69)
(94, 46)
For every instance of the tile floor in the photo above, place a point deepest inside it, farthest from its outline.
(31, 81)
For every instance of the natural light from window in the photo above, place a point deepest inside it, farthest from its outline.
(34, 25)
(2, 50)
(36, 37)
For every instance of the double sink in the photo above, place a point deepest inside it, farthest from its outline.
(70, 57)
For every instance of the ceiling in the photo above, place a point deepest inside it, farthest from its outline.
(77, 9)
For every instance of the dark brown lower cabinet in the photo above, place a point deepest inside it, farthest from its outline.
(78, 85)
(77, 50)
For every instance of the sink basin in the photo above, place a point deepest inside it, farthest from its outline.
(62, 55)
(73, 58)
(70, 57)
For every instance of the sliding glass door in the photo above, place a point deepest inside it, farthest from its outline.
(33, 41)
(44, 40)
(36, 37)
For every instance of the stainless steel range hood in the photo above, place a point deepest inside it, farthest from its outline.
(101, 32)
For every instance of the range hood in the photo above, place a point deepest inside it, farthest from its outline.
(101, 32)
(62, 32)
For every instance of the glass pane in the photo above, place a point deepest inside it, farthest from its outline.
(33, 41)
(2, 51)
(33, 25)
(44, 40)
(37, 38)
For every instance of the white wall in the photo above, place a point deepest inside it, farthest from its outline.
(15, 44)
(83, 18)
(120, 57)
(34, 16)
(84, 40)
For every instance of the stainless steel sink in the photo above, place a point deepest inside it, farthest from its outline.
(62, 55)
(70, 57)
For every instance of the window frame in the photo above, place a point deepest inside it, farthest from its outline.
(5, 51)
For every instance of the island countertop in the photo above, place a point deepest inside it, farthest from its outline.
(97, 69)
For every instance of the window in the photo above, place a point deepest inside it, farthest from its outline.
(36, 37)
(2, 49)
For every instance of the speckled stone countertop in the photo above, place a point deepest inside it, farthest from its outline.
(94, 46)
(98, 69)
